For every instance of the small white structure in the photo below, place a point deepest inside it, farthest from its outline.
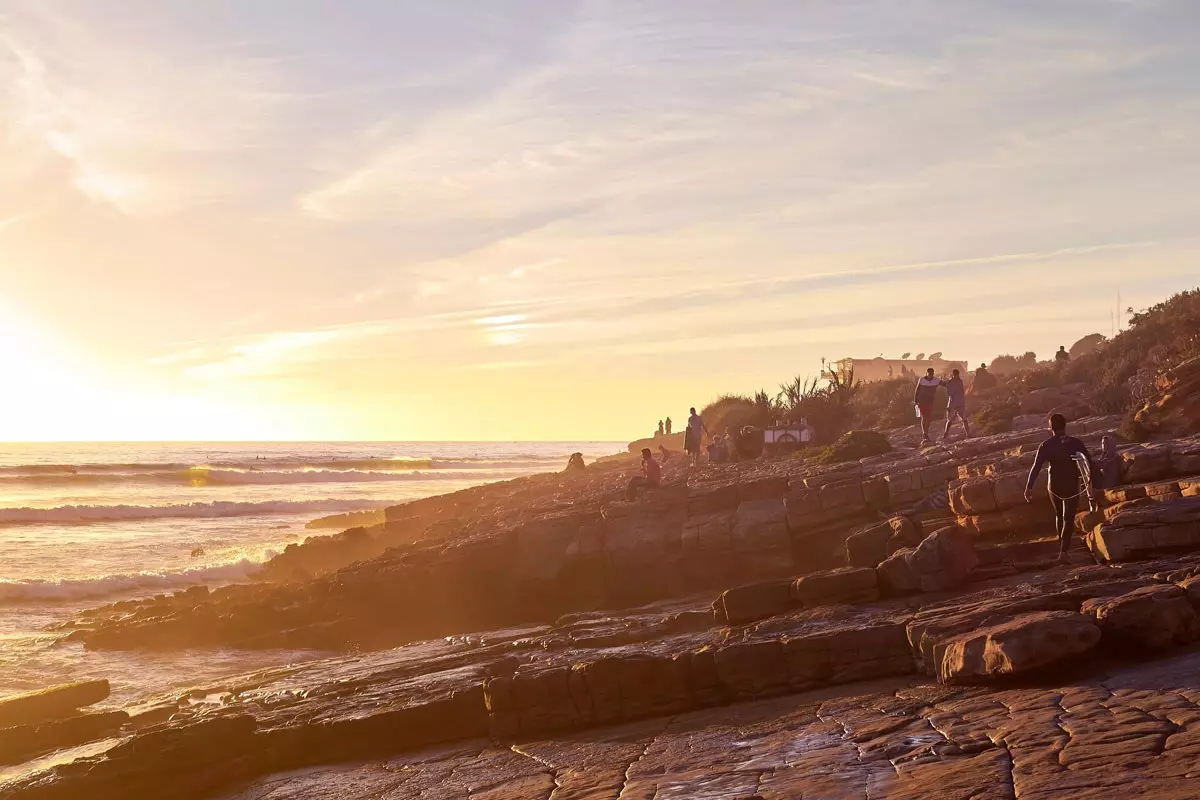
(788, 436)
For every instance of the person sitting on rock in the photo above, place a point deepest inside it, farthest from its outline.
(924, 397)
(650, 478)
(575, 463)
(1110, 463)
(1058, 452)
(718, 451)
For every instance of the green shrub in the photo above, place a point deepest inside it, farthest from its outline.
(853, 445)
(997, 416)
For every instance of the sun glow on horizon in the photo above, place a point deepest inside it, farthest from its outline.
(562, 220)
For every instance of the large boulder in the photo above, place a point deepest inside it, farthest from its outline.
(1153, 618)
(896, 575)
(753, 601)
(1067, 399)
(845, 586)
(1022, 644)
(944, 559)
(869, 547)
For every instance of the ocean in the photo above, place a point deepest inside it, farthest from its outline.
(87, 524)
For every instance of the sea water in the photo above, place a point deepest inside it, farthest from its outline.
(87, 524)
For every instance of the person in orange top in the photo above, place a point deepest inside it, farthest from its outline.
(650, 478)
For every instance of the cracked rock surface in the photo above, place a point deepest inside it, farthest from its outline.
(1133, 732)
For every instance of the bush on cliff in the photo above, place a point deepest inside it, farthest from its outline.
(997, 416)
(733, 412)
(887, 404)
(853, 445)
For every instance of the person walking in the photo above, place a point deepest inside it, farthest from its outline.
(956, 405)
(1059, 454)
(650, 478)
(693, 435)
(924, 397)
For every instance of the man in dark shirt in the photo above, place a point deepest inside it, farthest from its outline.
(1058, 453)
(650, 478)
(956, 405)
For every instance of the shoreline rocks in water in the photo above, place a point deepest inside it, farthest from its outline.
(516, 613)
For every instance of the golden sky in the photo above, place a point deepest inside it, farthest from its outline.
(552, 219)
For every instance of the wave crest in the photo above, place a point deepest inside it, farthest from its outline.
(14, 592)
(212, 510)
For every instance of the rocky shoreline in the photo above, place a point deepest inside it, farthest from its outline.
(528, 618)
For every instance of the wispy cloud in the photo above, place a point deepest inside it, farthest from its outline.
(143, 129)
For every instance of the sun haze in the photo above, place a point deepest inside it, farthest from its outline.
(558, 219)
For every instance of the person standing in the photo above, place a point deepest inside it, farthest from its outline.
(983, 380)
(924, 397)
(668, 426)
(650, 478)
(1062, 356)
(693, 436)
(956, 405)
(1058, 453)
(660, 429)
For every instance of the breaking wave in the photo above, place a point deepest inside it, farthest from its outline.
(213, 510)
(13, 592)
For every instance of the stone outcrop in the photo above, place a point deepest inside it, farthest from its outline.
(1150, 618)
(1020, 645)
(1142, 528)
(1175, 409)
(874, 544)
(944, 559)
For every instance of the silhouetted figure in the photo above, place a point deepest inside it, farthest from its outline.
(956, 405)
(663, 453)
(983, 380)
(650, 478)
(1059, 452)
(1110, 463)
(1062, 356)
(924, 396)
(668, 426)
(693, 436)
(575, 463)
(660, 429)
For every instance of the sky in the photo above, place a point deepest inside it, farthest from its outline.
(561, 219)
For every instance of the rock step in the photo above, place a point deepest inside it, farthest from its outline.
(986, 636)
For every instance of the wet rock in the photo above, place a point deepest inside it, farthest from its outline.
(55, 702)
(1153, 617)
(1023, 644)
(23, 742)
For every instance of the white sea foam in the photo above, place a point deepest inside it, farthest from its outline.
(216, 509)
(14, 592)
